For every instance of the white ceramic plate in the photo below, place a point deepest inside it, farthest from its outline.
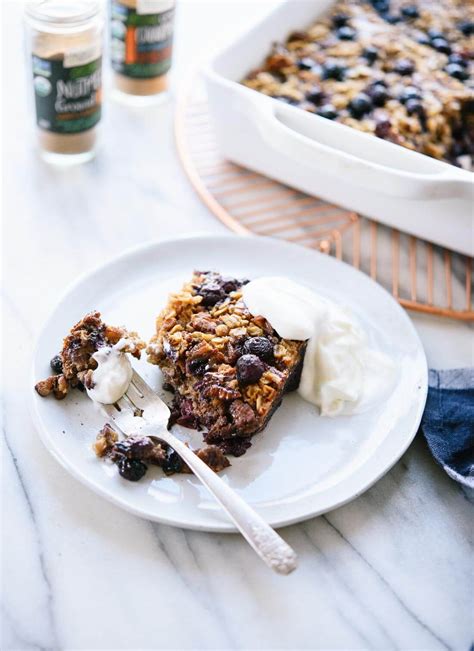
(302, 464)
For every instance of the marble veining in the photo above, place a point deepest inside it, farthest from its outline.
(390, 570)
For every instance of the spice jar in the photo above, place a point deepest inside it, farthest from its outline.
(65, 43)
(141, 43)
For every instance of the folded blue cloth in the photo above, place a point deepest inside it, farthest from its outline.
(448, 422)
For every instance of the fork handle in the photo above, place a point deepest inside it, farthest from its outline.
(271, 548)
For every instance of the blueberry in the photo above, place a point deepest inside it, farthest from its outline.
(339, 20)
(332, 70)
(467, 27)
(250, 369)
(423, 40)
(457, 71)
(328, 111)
(56, 364)
(230, 284)
(211, 293)
(346, 33)
(360, 105)
(404, 67)
(410, 12)
(435, 33)
(441, 45)
(259, 346)
(392, 18)
(409, 92)
(370, 53)
(197, 366)
(382, 6)
(315, 95)
(305, 64)
(173, 462)
(378, 94)
(457, 58)
(415, 107)
(131, 469)
(383, 128)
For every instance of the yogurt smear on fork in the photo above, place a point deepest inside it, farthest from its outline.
(112, 377)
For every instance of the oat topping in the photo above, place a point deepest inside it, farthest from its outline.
(399, 69)
(228, 368)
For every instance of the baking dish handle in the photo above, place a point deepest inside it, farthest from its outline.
(363, 172)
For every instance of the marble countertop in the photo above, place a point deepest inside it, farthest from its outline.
(390, 570)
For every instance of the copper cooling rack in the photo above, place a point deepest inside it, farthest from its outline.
(421, 276)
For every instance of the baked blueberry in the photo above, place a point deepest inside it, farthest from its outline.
(441, 45)
(211, 293)
(131, 469)
(173, 462)
(56, 364)
(315, 94)
(404, 67)
(250, 369)
(467, 27)
(382, 6)
(435, 33)
(457, 58)
(333, 70)
(360, 105)
(370, 53)
(410, 92)
(457, 71)
(410, 12)
(339, 20)
(415, 107)
(393, 19)
(327, 111)
(306, 63)
(198, 366)
(346, 33)
(378, 94)
(423, 40)
(260, 346)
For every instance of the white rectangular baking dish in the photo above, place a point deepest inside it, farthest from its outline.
(396, 186)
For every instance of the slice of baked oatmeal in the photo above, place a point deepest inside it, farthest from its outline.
(74, 365)
(228, 368)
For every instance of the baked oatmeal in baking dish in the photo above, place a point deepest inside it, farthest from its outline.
(401, 70)
(227, 368)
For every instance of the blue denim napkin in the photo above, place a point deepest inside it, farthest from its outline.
(448, 422)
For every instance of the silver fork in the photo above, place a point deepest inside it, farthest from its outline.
(271, 548)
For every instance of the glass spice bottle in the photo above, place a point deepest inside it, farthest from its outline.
(65, 43)
(141, 35)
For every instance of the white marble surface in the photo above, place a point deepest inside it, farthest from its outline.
(391, 570)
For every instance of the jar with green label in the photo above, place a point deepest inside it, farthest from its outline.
(65, 45)
(141, 36)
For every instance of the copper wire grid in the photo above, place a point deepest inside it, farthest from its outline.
(420, 275)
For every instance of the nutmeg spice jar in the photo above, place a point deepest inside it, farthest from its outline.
(141, 35)
(65, 45)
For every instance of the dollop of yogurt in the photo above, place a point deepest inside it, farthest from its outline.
(112, 377)
(341, 373)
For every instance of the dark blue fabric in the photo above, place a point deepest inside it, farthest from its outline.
(448, 422)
